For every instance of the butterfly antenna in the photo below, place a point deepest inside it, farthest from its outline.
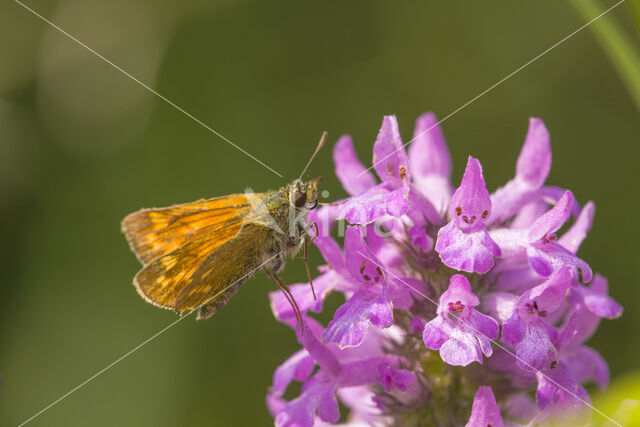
(323, 139)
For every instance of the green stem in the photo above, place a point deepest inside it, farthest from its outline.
(634, 8)
(622, 52)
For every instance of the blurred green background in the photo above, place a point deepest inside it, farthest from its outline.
(82, 145)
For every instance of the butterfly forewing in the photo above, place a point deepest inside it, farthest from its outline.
(156, 232)
(192, 252)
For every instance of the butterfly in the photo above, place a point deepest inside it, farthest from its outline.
(196, 255)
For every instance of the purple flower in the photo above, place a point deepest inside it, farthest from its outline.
(539, 242)
(394, 195)
(559, 394)
(372, 303)
(527, 328)
(371, 201)
(459, 331)
(532, 168)
(318, 396)
(396, 264)
(464, 243)
(430, 162)
(485, 411)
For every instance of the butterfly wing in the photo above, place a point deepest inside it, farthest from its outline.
(220, 276)
(196, 274)
(155, 232)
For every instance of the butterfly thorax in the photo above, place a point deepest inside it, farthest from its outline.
(285, 212)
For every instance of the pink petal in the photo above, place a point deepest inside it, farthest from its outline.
(471, 204)
(595, 298)
(459, 290)
(353, 176)
(485, 411)
(501, 305)
(361, 263)
(551, 294)
(373, 204)
(436, 332)
(430, 162)
(534, 162)
(460, 349)
(351, 321)
(471, 252)
(483, 325)
(303, 296)
(553, 219)
(389, 157)
(574, 237)
(557, 391)
(535, 351)
(297, 367)
(428, 152)
(586, 364)
(546, 258)
(319, 352)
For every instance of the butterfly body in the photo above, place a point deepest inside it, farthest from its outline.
(197, 255)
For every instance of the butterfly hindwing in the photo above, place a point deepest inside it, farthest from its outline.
(219, 276)
(160, 281)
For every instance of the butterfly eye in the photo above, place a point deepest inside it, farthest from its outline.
(300, 199)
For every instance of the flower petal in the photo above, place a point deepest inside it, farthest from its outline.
(430, 162)
(573, 238)
(547, 258)
(353, 176)
(483, 324)
(297, 367)
(373, 204)
(421, 205)
(552, 293)
(553, 219)
(532, 168)
(557, 391)
(536, 351)
(459, 290)
(500, 305)
(303, 296)
(389, 156)
(320, 353)
(318, 394)
(595, 298)
(460, 349)
(351, 321)
(586, 364)
(534, 161)
(428, 152)
(485, 411)
(471, 205)
(362, 264)
(436, 332)
(391, 378)
(472, 252)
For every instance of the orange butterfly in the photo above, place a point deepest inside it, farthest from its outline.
(196, 255)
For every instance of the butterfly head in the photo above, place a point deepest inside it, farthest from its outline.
(304, 195)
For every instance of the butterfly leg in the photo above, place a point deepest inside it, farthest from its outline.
(287, 293)
(307, 242)
(314, 224)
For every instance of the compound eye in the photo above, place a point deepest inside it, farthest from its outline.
(299, 199)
